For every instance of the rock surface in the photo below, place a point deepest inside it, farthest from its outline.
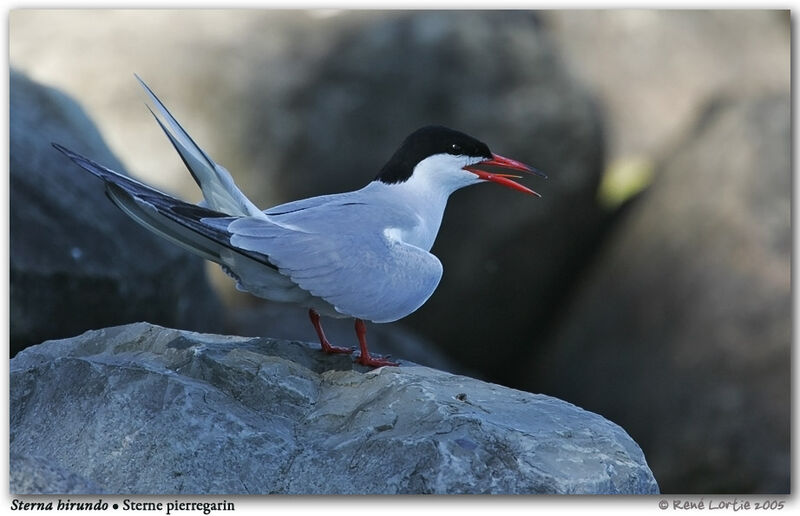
(143, 409)
(682, 332)
(77, 262)
(36, 474)
(287, 322)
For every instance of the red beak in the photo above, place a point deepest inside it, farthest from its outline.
(483, 170)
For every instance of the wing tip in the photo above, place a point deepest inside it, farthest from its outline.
(61, 148)
(143, 84)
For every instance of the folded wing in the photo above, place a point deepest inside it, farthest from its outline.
(367, 275)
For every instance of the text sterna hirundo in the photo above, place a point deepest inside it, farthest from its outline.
(361, 254)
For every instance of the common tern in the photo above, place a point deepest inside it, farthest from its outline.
(361, 254)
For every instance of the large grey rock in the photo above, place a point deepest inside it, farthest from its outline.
(144, 409)
(683, 331)
(77, 262)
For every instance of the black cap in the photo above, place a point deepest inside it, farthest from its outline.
(425, 142)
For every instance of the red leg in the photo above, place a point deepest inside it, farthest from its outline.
(365, 358)
(326, 346)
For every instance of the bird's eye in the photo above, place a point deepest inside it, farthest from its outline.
(455, 148)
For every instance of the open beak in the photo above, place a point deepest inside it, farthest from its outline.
(486, 170)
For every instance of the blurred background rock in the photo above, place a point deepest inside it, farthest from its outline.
(650, 284)
(76, 261)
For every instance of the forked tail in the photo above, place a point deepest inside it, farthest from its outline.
(220, 192)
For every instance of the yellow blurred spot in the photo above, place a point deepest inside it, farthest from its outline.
(623, 179)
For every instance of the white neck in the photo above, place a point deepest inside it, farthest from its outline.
(425, 195)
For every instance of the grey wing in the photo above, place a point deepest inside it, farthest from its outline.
(367, 276)
(295, 206)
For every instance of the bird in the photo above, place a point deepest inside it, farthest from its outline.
(363, 254)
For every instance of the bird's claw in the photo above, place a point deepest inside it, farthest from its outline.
(337, 349)
(371, 361)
